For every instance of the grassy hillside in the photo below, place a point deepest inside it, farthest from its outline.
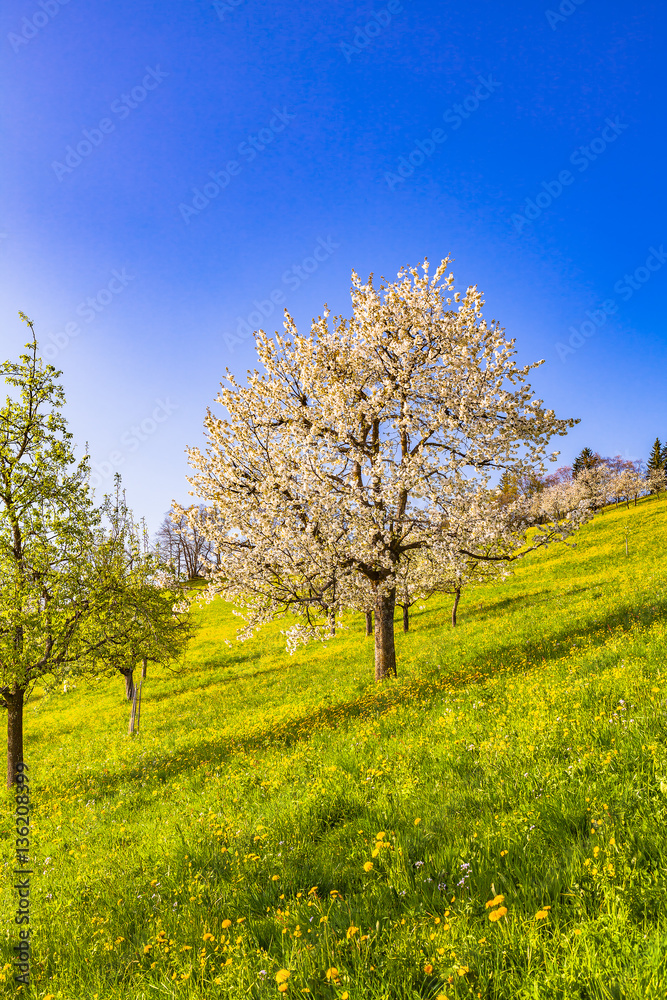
(283, 827)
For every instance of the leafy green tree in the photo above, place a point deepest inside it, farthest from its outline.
(47, 521)
(146, 616)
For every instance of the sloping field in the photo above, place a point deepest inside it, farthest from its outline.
(281, 826)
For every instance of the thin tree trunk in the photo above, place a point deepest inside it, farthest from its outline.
(133, 713)
(332, 622)
(457, 598)
(144, 665)
(369, 623)
(128, 674)
(139, 706)
(406, 618)
(14, 732)
(385, 651)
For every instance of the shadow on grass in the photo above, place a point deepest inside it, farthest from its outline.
(149, 698)
(508, 659)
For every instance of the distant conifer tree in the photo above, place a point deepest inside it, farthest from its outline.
(586, 459)
(656, 461)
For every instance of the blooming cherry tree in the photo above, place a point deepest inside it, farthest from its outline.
(360, 442)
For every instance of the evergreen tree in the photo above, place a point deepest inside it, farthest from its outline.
(586, 459)
(656, 461)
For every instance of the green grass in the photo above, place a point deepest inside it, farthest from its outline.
(521, 754)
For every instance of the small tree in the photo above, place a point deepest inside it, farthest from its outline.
(364, 441)
(182, 545)
(48, 594)
(147, 617)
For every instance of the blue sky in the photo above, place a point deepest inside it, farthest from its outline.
(175, 173)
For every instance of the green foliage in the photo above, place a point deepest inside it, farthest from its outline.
(46, 523)
(239, 837)
(145, 614)
(586, 459)
(656, 461)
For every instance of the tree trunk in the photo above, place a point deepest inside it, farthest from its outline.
(128, 674)
(14, 732)
(385, 651)
(144, 665)
(406, 618)
(133, 713)
(332, 622)
(457, 597)
(369, 623)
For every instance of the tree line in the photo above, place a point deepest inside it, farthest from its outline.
(370, 462)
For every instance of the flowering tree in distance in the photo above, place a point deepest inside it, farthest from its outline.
(363, 441)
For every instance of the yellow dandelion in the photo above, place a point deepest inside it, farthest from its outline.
(344, 996)
(147, 948)
(274, 878)
(368, 866)
(282, 988)
(541, 914)
(208, 936)
(282, 975)
(351, 931)
(226, 924)
(418, 820)
(381, 835)
(428, 968)
(332, 973)
(494, 902)
(497, 914)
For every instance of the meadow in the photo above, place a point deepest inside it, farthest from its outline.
(492, 824)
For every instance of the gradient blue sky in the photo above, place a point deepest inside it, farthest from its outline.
(169, 93)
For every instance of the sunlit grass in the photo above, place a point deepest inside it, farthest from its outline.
(284, 815)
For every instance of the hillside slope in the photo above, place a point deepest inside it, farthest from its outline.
(283, 826)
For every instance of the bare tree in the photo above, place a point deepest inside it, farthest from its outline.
(183, 546)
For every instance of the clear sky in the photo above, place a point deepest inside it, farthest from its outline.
(175, 173)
